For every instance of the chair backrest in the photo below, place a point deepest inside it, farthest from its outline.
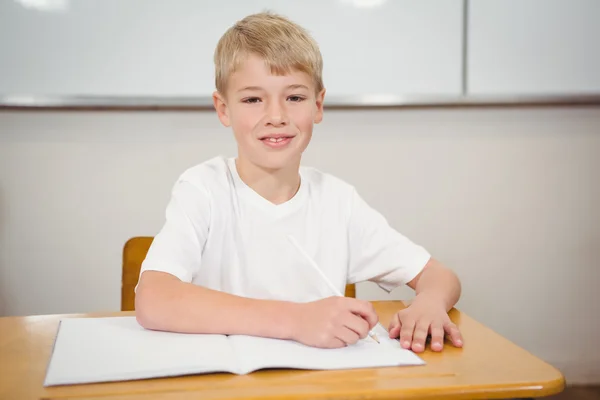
(134, 253)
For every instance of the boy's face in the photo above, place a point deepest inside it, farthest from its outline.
(271, 116)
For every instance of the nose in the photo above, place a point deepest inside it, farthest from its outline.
(276, 114)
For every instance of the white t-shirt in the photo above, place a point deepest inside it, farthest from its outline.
(219, 233)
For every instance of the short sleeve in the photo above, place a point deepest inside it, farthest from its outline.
(379, 253)
(177, 248)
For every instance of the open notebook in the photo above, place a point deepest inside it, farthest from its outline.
(90, 350)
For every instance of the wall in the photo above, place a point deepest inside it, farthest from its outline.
(507, 197)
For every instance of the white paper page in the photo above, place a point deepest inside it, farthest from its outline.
(258, 353)
(112, 349)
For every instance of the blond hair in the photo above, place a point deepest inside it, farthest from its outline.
(283, 44)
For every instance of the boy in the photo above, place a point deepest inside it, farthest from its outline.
(224, 263)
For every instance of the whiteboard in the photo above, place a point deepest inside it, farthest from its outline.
(165, 48)
(533, 47)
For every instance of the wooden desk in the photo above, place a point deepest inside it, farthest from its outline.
(488, 366)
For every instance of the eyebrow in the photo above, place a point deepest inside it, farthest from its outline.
(298, 86)
(258, 88)
(254, 88)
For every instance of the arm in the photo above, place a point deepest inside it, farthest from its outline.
(438, 283)
(437, 291)
(163, 302)
(385, 256)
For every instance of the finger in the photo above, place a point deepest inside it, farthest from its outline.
(406, 333)
(357, 324)
(454, 334)
(437, 337)
(419, 336)
(395, 325)
(348, 336)
(335, 343)
(365, 309)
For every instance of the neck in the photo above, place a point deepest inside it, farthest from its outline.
(275, 185)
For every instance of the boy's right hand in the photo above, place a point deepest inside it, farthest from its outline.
(333, 322)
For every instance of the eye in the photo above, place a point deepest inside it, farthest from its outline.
(251, 100)
(296, 99)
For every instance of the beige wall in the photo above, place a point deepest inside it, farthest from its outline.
(510, 198)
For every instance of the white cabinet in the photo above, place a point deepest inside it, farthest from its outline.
(373, 49)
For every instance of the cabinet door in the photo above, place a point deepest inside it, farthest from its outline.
(533, 47)
(377, 49)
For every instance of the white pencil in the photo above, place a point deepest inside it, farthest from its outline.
(314, 265)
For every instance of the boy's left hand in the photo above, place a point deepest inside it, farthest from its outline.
(424, 316)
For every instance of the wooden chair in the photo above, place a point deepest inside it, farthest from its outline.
(134, 253)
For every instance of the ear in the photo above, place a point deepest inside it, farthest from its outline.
(319, 104)
(221, 108)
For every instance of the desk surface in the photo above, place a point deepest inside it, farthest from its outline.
(488, 366)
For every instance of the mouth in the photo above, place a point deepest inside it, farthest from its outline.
(277, 141)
